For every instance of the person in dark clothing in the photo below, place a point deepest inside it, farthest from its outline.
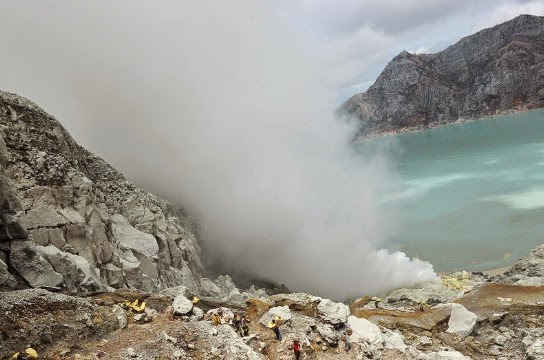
(296, 349)
(237, 322)
(245, 327)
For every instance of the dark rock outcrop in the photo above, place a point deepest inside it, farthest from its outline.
(496, 70)
(68, 219)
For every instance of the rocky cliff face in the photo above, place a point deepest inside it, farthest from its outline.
(70, 220)
(493, 71)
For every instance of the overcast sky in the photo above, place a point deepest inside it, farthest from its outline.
(226, 107)
(359, 37)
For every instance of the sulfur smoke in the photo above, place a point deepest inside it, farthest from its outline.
(221, 107)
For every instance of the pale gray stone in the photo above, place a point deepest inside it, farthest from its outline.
(121, 316)
(282, 312)
(209, 288)
(130, 238)
(33, 267)
(461, 320)
(332, 312)
(77, 272)
(364, 330)
(393, 340)
(113, 275)
(182, 305)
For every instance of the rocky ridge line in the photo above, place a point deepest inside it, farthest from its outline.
(69, 220)
(496, 70)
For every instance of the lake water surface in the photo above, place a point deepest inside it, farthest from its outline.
(468, 196)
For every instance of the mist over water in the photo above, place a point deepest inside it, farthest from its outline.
(223, 109)
(471, 194)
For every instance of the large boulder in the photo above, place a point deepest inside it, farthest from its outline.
(130, 238)
(281, 311)
(393, 340)
(461, 320)
(328, 334)
(32, 266)
(295, 301)
(209, 289)
(332, 312)
(364, 330)
(77, 272)
(182, 305)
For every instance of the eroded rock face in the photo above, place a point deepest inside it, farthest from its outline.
(106, 233)
(492, 71)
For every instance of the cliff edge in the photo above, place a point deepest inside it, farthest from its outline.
(69, 220)
(496, 70)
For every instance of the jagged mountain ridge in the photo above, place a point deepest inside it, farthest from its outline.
(69, 219)
(493, 71)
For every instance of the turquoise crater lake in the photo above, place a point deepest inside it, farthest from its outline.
(470, 195)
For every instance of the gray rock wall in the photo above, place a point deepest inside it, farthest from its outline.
(493, 71)
(69, 219)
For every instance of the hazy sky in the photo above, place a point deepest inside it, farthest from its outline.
(359, 37)
(227, 108)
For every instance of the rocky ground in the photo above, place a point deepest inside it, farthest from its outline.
(462, 316)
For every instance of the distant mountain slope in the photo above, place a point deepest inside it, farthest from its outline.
(493, 71)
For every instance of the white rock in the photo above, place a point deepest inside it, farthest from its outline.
(182, 305)
(461, 321)
(445, 355)
(393, 340)
(129, 238)
(332, 312)
(282, 311)
(364, 330)
(328, 334)
(198, 314)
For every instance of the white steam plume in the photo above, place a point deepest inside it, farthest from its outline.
(218, 106)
